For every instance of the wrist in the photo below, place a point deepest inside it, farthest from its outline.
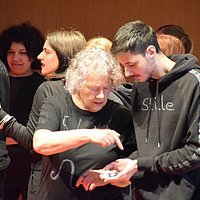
(2, 113)
(4, 120)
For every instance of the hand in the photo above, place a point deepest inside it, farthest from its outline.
(121, 183)
(105, 137)
(90, 180)
(126, 168)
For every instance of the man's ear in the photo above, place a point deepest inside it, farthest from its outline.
(150, 52)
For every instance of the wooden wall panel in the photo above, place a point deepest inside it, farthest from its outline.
(98, 17)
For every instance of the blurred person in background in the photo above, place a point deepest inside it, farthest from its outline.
(170, 44)
(179, 32)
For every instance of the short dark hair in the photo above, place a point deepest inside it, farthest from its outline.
(26, 34)
(135, 37)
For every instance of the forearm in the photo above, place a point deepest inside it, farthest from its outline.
(47, 142)
(175, 162)
(17, 131)
(21, 134)
(4, 117)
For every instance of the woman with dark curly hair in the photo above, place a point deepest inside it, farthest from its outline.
(20, 45)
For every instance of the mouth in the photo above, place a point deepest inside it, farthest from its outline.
(16, 65)
(42, 65)
(98, 103)
(136, 77)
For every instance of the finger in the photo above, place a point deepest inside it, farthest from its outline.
(92, 186)
(119, 143)
(79, 181)
(86, 185)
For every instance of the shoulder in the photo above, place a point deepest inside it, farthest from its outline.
(58, 99)
(118, 109)
(122, 94)
(35, 80)
(49, 88)
(38, 76)
(191, 79)
(196, 74)
(3, 69)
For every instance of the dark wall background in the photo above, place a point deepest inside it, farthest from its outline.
(102, 17)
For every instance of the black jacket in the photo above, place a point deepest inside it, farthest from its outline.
(166, 120)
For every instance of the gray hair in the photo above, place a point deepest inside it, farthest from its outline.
(93, 61)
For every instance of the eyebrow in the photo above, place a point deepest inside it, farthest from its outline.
(46, 49)
(128, 63)
(24, 49)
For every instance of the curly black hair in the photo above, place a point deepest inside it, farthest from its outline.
(25, 34)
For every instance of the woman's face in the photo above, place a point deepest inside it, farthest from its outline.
(18, 60)
(94, 94)
(48, 59)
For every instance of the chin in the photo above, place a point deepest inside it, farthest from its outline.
(96, 109)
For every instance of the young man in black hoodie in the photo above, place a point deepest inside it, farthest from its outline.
(4, 103)
(166, 110)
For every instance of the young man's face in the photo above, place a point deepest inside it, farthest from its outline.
(136, 66)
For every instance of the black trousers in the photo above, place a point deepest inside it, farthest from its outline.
(2, 183)
(17, 173)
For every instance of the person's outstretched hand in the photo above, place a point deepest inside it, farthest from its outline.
(91, 179)
(125, 167)
(105, 137)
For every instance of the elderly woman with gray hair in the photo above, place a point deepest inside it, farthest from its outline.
(82, 129)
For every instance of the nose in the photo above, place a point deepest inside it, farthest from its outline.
(16, 56)
(39, 57)
(100, 95)
(127, 72)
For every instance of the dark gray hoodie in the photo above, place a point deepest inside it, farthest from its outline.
(4, 100)
(166, 120)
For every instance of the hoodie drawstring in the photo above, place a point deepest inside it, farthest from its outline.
(156, 99)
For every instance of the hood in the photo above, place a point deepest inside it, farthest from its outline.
(184, 63)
